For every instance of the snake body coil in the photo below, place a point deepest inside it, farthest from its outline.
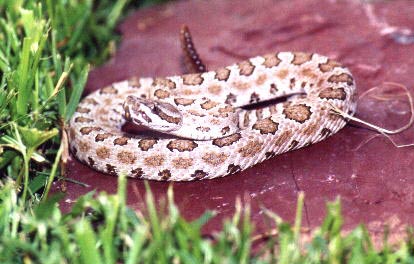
(209, 135)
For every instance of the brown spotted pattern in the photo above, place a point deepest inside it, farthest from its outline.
(300, 58)
(328, 66)
(82, 110)
(261, 79)
(293, 144)
(199, 174)
(244, 97)
(81, 119)
(251, 148)
(222, 74)
(270, 154)
(226, 141)
(311, 129)
(271, 60)
(111, 169)
(283, 138)
(109, 90)
(183, 101)
(225, 110)
(121, 141)
(333, 93)
(161, 93)
(164, 83)
(215, 158)
(91, 161)
(203, 129)
(299, 113)
(126, 157)
(193, 79)
(155, 160)
(225, 130)
(103, 152)
(182, 145)
(146, 144)
(246, 68)
(87, 130)
(266, 126)
(84, 146)
(137, 173)
(282, 73)
(164, 174)
(233, 169)
(90, 101)
(215, 89)
(102, 137)
(207, 105)
(325, 132)
(230, 99)
(182, 163)
(343, 77)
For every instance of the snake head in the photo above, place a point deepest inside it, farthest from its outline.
(152, 114)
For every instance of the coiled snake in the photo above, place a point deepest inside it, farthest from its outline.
(205, 131)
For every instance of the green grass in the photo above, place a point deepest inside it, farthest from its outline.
(46, 51)
(105, 230)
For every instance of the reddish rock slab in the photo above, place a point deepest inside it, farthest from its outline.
(374, 179)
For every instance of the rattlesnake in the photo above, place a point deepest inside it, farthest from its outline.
(247, 136)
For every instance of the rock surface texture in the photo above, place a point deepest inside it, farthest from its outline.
(374, 179)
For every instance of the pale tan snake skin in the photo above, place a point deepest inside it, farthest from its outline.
(96, 137)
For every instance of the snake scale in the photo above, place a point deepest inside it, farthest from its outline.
(207, 131)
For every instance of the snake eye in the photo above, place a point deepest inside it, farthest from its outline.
(127, 113)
